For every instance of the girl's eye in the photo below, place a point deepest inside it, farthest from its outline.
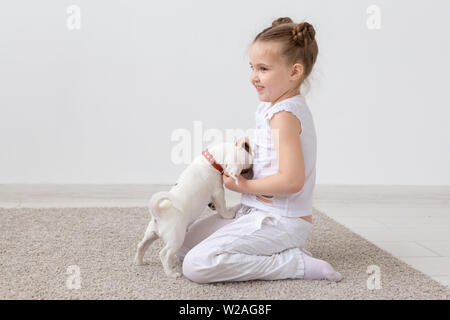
(262, 68)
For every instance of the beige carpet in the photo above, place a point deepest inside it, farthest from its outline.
(38, 245)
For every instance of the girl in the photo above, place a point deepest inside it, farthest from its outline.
(265, 239)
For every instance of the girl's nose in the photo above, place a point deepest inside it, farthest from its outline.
(253, 79)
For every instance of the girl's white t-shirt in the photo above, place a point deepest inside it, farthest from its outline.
(265, 159)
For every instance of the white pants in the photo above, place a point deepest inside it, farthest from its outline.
(254, 245)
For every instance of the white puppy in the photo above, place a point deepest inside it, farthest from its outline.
(199, 184)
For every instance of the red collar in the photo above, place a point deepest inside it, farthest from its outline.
(211, 160)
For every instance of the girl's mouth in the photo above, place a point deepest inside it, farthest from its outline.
(259, 88)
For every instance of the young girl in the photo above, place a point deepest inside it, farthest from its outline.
(265, 240)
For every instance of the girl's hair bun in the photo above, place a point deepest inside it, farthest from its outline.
(281, 21)
(303, 34)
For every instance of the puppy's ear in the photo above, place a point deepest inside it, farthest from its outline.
(244, 142)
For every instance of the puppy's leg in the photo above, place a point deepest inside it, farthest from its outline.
(174, 240)
(149, 236)
(235, 208)
(218, 198)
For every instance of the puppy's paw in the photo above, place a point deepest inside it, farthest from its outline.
(236, 207)
(174, 274)
(140, 263)
(228, 214)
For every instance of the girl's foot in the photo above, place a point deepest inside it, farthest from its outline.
(316, 269)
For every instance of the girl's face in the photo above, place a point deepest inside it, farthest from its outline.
(277, 80)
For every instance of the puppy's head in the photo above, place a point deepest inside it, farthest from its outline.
(241, 159)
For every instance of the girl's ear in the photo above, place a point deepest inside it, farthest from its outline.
(297, 71)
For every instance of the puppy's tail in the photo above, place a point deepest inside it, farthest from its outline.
(155, 206)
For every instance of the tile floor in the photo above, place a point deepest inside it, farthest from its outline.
(410, 222)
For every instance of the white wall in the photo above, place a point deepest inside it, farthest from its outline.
(99, 104)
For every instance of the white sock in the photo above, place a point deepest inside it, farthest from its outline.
(316, 269)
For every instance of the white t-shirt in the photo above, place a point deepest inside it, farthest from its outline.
(265, 159)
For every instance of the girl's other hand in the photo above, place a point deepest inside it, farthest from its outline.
(230, 183)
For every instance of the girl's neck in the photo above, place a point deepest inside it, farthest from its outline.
(287, 95)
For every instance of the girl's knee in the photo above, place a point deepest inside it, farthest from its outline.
(198, 268)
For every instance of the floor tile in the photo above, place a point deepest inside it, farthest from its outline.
(9, 204)
(433, 266)
(405, 249)
(413, 221)
(424, 233)
(403, 234)
(440, 247)
(377, 212)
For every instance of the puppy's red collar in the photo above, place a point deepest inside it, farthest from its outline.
(208, 156)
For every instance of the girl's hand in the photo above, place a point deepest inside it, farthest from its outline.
(230, 183)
